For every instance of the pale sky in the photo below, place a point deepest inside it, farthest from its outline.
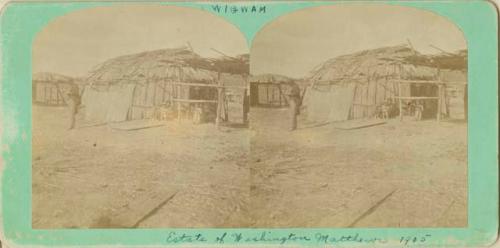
(294, 44)
(73, 44)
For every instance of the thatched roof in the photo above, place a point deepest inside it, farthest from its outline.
(51, 77)
(270, 78)
(232, 65)
(386, 62)
(451, 61)
(179, 64)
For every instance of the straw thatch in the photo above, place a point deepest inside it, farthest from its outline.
(387, 62)
(448, 61)
(178, 64)
(239, 65)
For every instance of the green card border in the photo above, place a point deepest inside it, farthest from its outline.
(20, 22)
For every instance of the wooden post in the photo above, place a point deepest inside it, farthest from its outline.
(155, 85)
(163, 88)
(367, 101)
(246, 99)
(50, 95)
(57, 95)
(267, 94)
(179, 93)
(172, 89)
(279, 94)
(438, 115)
(400, 102)
(178, 103)
(146, 89)
(245, 106)
(375, 102)
(219, 101)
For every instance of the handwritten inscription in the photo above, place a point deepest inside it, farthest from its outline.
(330, 239)
(268, 237)
(174, 237)
(409, 240)
(239, 9)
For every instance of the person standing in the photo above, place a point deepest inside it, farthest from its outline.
(292, 96)
(246, 106)
(73, 102)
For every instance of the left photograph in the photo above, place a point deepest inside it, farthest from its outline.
(139, 119)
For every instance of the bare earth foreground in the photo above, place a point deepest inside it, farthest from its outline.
(181, 175)
(400, 174)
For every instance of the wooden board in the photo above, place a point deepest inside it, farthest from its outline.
(359, 207)
(142, 208)
(194, 100)
(136, 125)
(355, 124)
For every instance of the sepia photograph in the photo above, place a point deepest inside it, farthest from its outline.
(139, 120)
(360, 119)
(349, 116)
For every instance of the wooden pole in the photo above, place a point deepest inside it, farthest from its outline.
(131, 109)
(211, 85)
(219, 101)
(279, 95)
(50, 94)
(178, 104)
(179, 94)
(155, 85)
(57, 95)
(146, 89)
(438, 115)
(400, 102)
(172, 89)
(367, 101)
(245, 106)
(194, 100)
(163, 88)
(267, 94)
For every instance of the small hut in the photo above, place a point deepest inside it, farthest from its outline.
(49, 88)
(137, 86)
(354, 86)
(267, 90)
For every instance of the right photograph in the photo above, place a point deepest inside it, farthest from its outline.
(358, 116)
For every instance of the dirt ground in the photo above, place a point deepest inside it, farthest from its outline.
(100, 177)
(400, 174)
